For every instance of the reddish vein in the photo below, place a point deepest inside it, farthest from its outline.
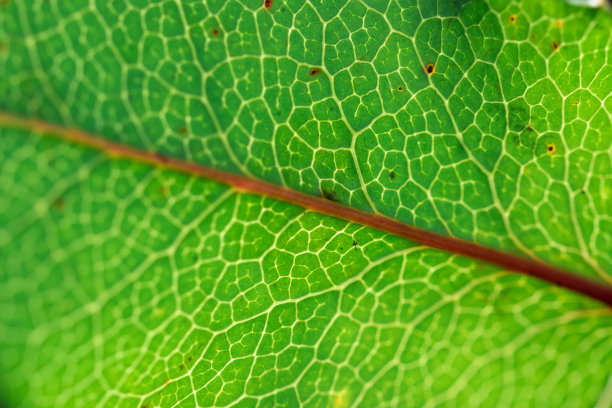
(540, 270)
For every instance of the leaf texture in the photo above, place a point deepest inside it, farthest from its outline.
(128, 285)
(506, 143)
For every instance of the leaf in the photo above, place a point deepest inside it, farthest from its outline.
(127, 284)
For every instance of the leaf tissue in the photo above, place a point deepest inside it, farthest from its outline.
(267, 203)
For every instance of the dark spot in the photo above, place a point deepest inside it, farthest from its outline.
(512, 18)
(576, 102)
(181, 367)
(555, 46)
(161, 158)
(189, 359)
(329, 195)
(430, 69)
(392, 175)
(354, 243)
(533, 37)
(582, 191)
(529, 128)
(278, 113)
(182, 131)
(399, 88)
(314, 71)
(58, 203)
(215, 32)
(550, 148)
(267, 4)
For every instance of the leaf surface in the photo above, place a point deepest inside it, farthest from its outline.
(145, 287)
(506, 143)
(126, 284)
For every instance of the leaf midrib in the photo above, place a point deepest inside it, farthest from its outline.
(508, 261)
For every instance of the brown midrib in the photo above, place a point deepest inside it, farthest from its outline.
(537, 269)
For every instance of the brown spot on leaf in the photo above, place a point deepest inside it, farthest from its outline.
(314, 71)
(392, 175)
(559, 23)
(58, 204)
(267, 4)
(400, 88)
(182, 131)
(512, 18)
(329, 195)
(555, 45)
(430, 68)
(215, 32)
(551, 148)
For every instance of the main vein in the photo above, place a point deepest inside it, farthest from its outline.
(511, 262)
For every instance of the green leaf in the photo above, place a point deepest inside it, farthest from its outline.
(128, 284)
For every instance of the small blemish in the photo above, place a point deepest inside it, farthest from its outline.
(161, 158)
(58, 204)
(314, 71)
(559, 23)
(267, 4)
(550, 148)
(576, 102)
(355, 244)
(512, 18)
(430, 69)
(533, 37)
(182, 131)
(555, 45)
(215, 32)
(392, 175)
(329, 195)
(400, 88)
